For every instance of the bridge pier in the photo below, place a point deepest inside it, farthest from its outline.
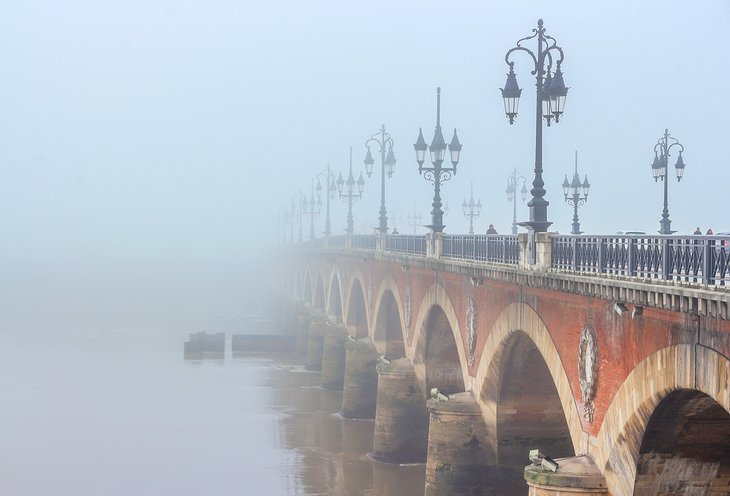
(576, 476)
(315, 342)
(302, 321)
(401, 418)
(458, 450)
(333, 358)
(360, 389)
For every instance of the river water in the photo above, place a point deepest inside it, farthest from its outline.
(122, 413)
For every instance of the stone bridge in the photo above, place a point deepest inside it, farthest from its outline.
(609, 354)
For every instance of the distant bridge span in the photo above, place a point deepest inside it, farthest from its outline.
(613, 347)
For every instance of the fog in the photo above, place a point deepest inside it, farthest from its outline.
(148, 149)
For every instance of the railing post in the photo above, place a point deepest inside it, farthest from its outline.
(524, 261)
(380, 241)
(434, 245)
(543, 250)
(666, 258)
(708, 262)
(574, 248)
(631, 257)
(601, 266)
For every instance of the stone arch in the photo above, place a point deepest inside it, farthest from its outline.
(356, 309)
(319, 297)
(307, 288)
(387, 328)
(334, 301)
(436, 296)
(654, 379)
(520, 329)
(388, 325)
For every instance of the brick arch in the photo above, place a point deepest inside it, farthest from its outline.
(521, 318)
(355, 276)
(435, 296)
(387, 284)
(658, 375)
(334, 295)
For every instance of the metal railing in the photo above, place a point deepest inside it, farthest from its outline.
(338, 241)
(406, 243)
(497, 248)
(698, 259)
(363, 241)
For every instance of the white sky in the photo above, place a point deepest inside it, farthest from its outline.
(147, 147)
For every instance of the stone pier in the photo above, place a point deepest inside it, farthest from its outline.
(333, 357)
(315, 342)
(401, 418)
(458, 451)
(575, 476)
(302, 331)
(360, 389)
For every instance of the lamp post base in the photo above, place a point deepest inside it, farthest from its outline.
(536, 226)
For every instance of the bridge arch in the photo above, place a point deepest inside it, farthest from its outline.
(334, 300)
(355, 312)
(437, 351)
(520, 337)
(665, 378)
(307, 288)
(319, 295)
(388, 325)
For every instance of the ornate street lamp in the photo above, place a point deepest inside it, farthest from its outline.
(659, 170)
(387, 166)
(471, 209)
(301, 200)
(551, 93)
(576, 194)
(437, 174)
(311, 207)
(290, 220)
(415, 219)
(350, 195)
(329, 178)
(512, 182)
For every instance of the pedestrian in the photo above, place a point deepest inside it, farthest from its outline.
(697, 231)
(491, 229)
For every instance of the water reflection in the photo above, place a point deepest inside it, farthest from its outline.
(332, 449)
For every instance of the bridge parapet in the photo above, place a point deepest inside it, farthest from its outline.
(690, 259)
(622, 281)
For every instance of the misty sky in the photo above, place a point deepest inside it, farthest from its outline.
(147, 147)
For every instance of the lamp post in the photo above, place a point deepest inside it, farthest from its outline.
(437, 174)
(471, 209)
(415, 219)
(512, 182)
(576, 194)
(659, 170)
(350, 195)
(311, 207)
(289, 220)
(329, 179)
(551, 95)
(387, 166)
